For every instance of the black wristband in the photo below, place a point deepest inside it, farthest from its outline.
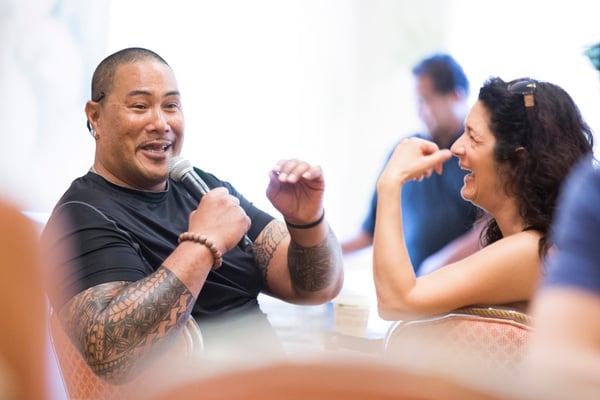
(307, 226)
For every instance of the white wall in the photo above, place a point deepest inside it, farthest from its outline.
(543, 40)
(47, 52)
(324, 81)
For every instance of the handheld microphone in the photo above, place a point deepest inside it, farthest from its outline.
(181, 170)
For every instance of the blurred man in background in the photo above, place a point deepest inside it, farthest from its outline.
(442, 90)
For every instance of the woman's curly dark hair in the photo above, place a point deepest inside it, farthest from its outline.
(536, 147)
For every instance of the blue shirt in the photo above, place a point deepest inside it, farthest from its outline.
(576, 232)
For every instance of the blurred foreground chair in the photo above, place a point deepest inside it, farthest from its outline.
(483, 337)
(339, 379)
(82, 383)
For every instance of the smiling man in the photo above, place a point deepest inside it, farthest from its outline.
(143, 254)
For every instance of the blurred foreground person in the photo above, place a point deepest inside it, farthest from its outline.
(23, 352)
(565, 358)
(564, 361)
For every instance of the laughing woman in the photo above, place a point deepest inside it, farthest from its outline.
(521, 139)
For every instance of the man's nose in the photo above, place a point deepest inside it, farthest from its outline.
(160, 120)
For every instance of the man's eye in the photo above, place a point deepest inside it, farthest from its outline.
(140, 106)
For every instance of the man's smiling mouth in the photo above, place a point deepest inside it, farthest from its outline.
(157, 146)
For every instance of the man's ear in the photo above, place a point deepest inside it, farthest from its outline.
(92, 112)
(460, 94)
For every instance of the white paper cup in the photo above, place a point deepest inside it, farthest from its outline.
(351, 314)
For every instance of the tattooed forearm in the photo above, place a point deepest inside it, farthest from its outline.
(312, 268)
(119, 323)
(272, 235)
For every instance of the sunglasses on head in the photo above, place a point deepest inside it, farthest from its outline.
(525, 87)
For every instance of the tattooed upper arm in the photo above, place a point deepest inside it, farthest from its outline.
(267, 242)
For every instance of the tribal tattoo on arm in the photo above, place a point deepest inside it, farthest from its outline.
(119, 323)
(273, 235)
(312, 268)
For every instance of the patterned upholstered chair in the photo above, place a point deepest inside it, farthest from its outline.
(82, 383)
(484, 337)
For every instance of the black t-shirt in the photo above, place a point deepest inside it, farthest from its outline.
(109, 233)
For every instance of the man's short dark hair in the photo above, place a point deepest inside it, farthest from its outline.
(447, 75)
(105, 71)
(102, 80)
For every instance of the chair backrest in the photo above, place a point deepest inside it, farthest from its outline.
(324, 379)
(486, 337)
(82, 383)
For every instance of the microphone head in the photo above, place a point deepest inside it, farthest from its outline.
(178, 167)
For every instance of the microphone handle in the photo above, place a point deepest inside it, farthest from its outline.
(245, 244)
(197, 188)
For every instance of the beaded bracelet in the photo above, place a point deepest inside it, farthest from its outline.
(203, 240)
(307, 226)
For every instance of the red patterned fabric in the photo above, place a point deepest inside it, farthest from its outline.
(476, 340)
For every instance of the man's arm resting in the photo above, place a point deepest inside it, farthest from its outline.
(316, 268)
(304, 266)
(116, 324)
